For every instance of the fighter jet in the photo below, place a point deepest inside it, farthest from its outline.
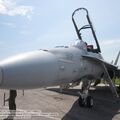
(80, 62)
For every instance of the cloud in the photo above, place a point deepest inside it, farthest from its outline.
(110, 49)
(110, 42)
(10, 7)
(9, 24)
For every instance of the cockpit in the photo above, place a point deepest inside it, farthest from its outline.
(90, 48)
(84, 46)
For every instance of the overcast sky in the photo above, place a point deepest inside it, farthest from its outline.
(27, 25)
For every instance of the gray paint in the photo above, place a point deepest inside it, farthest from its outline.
(48, 68)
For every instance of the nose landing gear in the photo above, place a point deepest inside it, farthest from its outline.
(85, 100)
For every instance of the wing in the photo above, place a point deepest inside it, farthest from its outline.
(107, 65)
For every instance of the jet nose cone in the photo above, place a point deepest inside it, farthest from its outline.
(29, 70)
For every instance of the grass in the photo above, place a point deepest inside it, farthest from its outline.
(117, 81)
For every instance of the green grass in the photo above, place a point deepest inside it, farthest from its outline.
(117, 81)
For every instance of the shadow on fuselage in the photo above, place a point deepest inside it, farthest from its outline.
(105, 106)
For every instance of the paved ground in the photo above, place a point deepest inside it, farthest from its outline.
(51, 105)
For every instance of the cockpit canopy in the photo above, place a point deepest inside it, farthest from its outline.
(84, 29)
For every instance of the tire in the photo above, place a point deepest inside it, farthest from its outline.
(89, 102)
(81, 102)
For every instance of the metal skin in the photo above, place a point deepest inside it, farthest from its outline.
(48, 68)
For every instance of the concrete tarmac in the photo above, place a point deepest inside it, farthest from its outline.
(50, 104)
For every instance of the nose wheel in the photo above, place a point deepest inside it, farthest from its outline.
(89, 102)
(86, 102)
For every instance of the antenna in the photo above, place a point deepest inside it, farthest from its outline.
(116, 61)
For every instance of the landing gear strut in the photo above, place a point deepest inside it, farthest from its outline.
(85, 100)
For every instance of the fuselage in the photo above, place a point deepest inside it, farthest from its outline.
(43, 68)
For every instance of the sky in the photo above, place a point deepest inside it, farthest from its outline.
(27, 25)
